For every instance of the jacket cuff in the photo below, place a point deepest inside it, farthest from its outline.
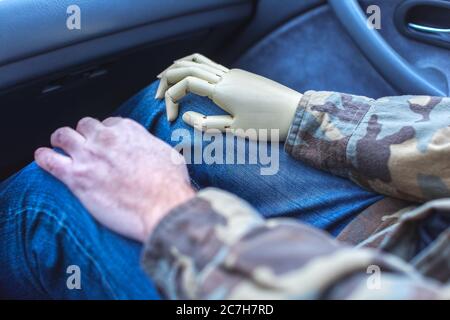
(322, 127)
(296, 122)
(193, 233)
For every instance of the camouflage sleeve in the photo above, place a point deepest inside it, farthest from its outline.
(397, 146)
(217, 247)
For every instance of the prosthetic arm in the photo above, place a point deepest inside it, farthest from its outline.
(252, 101)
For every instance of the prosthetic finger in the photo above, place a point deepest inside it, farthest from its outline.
(173, 74)
(205, 67)
(196, 57)
(182, 63)
(179, 90)
(176, 75)
(203, 123)
(162, 88)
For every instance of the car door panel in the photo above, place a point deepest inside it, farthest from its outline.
(314, 52)
(51, 77)
(38, 41)
(424, 60)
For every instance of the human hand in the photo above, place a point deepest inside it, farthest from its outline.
(125, 177)
(253, 102)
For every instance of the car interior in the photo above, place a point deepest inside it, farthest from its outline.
(51, 76)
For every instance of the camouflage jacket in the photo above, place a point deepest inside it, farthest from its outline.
(217, 247)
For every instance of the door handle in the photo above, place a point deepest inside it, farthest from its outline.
(422, 28)
(425, 20)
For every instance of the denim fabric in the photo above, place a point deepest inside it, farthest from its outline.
(44, 228)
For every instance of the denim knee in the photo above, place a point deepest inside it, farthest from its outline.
(38, 237)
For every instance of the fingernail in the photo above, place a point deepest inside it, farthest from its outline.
(187, 117)
(38, 152)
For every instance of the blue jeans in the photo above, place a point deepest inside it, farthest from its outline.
(44, 229)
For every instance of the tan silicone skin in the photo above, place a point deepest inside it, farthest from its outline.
(256, 102)
(253, 102)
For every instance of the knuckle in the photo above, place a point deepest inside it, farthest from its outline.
(167, 72)
(83, 122)
(190, 79)
(114, 120)
(58, 171)
(52, 166)
(79, 181)
(107, 136)
(128, 122)
(80, 172)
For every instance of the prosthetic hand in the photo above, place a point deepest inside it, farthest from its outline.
(252, 101)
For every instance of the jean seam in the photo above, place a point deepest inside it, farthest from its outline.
(76, 241)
